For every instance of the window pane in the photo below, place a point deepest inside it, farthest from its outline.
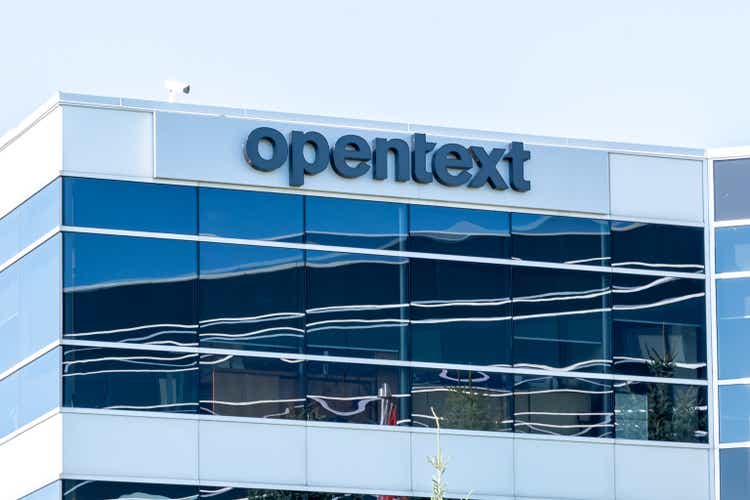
(460, 312)
(250, 215)
(97, 490)
(657, 246)
(732, 249)
(563, 406)
(462, 399)
(734, 413)
(661, 412)
(49, 492)
(362, 394)
(735, 473)
(138, 206)
(121, 289)
(355, 223)
(241, 386)
(458, 231)
(659, 326)
(251, 297)
(570, 240)
(733, 327)
(561, 319)
(126, 379)
(357, 305)
(731, 178)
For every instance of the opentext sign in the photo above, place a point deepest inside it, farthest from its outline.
(353, 157)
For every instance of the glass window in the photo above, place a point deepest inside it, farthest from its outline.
(732, 249)
(661, 412)
(138, 206)
(733, 327)
(242, 386)
(127, 379)
(561, 319)
(97, 490)
(355, 223)
(250, 215)
(30, 303)
(460, 312)
(49, 492)
(571, 240)
(731, 178)
(462, 399)
(357, 393)
(734, 413)
(357, 305)
(563, 406)
(222, 493)
(31, 220)
(458, 231)
(121, 289)
(735, 473)
(657, 247)
(659, 326)
(251, 297)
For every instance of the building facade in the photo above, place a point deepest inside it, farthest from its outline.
(215, 303)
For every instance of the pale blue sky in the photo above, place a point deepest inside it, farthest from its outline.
(671, 72)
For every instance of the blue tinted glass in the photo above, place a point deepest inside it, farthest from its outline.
(223, 493)
(357, 305)
(355, 223)
(659, 326)
(138, 206)
(98, 490)
(735, 473)
(657, 246)
(733, 327)
(250, 215)
(560, 239)
(458, 231)
(563, 406)
(30, 303)
(251, 297)
(362, 394)
(241, 386)
(460, 312)
(734, 413)
(10, 397)
(462, 399)
(121, 289)
(730, 189)
(732, 249)
(30, 221)
(126, 379)
(49, 492)
(661, 412)
(561, 319)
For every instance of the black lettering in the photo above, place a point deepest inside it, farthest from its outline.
(516, 157)
(401, 155)
(298, 164)
(278, 144)
(451, 156)
(419, 172)
(487, 163)
(351, 147)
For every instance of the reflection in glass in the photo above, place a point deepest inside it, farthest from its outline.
(571, 240)
(357, 393)
(251, 297)
(356, 305)
(241, 386)
(733, 327)
(561, 319)
(462, 399)
(98, 490)
(731, 178)
(732, 249)
(563, 406)
(250, 215)
(221, 493)
(734, 413)
(49, 492)
(661, 412)
(735, 473)
(355, 223)
(458, 231)
(127, 379)
(122, 289)
(659, 326)
(139, 206)
(460, 312)
(657, 246)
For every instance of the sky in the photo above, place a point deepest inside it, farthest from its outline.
(658, 72)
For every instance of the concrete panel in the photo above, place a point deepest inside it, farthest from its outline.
(252, 452)
(130, 446)
(108, 142)
(564, 469)
(648, 472)
(482, 465)
(358, 458)
(32, 459)
(653, 187)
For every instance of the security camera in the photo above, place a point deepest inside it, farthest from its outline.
(174, 88)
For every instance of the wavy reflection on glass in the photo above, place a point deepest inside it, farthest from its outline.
(106, 490)
(657, 246)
